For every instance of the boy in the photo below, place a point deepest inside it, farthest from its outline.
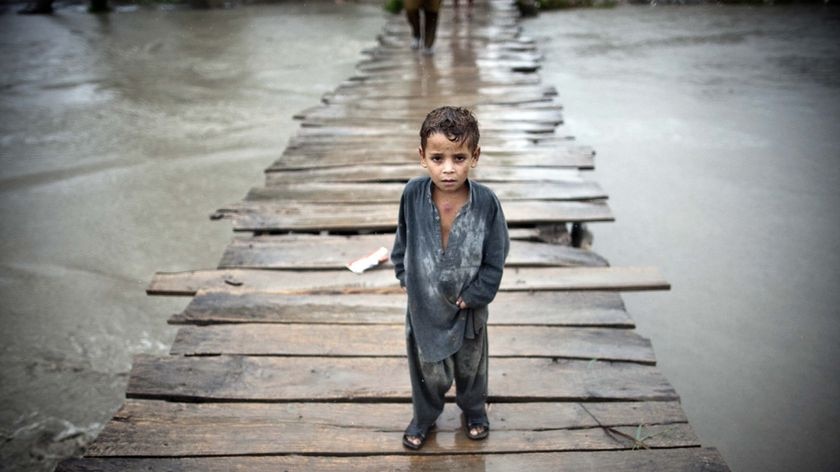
(449, 253)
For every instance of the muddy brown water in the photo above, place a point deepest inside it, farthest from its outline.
(716, 134)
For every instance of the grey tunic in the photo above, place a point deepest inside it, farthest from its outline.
(470, 268)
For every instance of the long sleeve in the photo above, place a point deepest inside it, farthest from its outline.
(483, 289)
(398, 251)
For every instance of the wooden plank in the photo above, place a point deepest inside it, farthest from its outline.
(487, 125)
(334, 252)
(154, 428)
(565, 157)
(369, 96)
(583, 309)
(491, 143)
(405, 172)
(293, 216)
(347, 192)
(606, 344)
(351, 112)
(692, 459)
(364, 379)
(311, 282)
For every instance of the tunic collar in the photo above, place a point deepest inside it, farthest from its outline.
(468, 183)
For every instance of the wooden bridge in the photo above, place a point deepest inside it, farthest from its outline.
(285, 360)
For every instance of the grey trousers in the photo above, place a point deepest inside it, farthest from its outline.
(431, 380)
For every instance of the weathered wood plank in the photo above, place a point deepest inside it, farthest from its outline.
(692, 459)
(347, 192)
(338, 113)
(405, 172)
(583, 309)
(334, 252)
(606, 344)
(566, 157)
(488, 125)
(153, 428)
(293, 216)
(284, 379)
(326, 282)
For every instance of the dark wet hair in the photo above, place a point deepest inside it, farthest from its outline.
(456, 123)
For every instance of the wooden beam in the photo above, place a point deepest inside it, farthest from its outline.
(293, 216)
(335, 252)
(404, 172)
(348, 192)
(693, 459)
(365, 379)
(164, 429)
(606, 344)
(582, 309)
(289, 282)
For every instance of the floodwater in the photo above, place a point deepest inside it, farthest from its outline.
(718, 141)
(717, 137)
(120, 134)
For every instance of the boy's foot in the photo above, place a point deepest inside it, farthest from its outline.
(477, 431)
(415, 43)
(428, 51)
(413, 442)
(414, 438)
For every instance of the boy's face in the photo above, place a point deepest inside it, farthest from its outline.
(448, 162)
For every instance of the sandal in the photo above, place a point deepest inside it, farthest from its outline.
(481, 425)
(421, 435)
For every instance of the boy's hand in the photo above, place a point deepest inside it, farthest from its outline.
(461, 304)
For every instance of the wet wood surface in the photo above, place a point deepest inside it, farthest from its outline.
(691, 459)
(285, 360)
(295, 216)
(389, 341)
(208, 429)
(382, 379)
(338, 192)
(405, 172)
(335, 252)
(338, 282)
(547, 308)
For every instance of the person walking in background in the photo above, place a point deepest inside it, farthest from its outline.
(430, 19)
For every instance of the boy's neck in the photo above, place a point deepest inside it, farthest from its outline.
(456, 197)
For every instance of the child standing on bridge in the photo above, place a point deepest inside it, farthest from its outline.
(449, 254)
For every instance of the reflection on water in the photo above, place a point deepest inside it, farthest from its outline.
(718, 143)
(121, 133)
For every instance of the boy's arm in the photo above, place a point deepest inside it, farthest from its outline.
(496, 247)
(398, 252)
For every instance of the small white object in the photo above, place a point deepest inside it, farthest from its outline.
(371, 260)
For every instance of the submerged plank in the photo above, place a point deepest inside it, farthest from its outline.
(293, 216)
(584, 309)
(335, 252)
(341, 192)
(607, 344)
(363, 379)
(692, 459)
(290, 282)
(153, 428)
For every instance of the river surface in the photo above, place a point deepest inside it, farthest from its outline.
(718, 142)
(120, 135)
(717, 137)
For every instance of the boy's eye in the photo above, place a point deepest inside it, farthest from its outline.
(436, 158)
(460, 158)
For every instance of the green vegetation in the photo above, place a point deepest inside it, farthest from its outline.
(393, 6)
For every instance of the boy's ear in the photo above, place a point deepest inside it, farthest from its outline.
(422, 156)
(475, 156)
